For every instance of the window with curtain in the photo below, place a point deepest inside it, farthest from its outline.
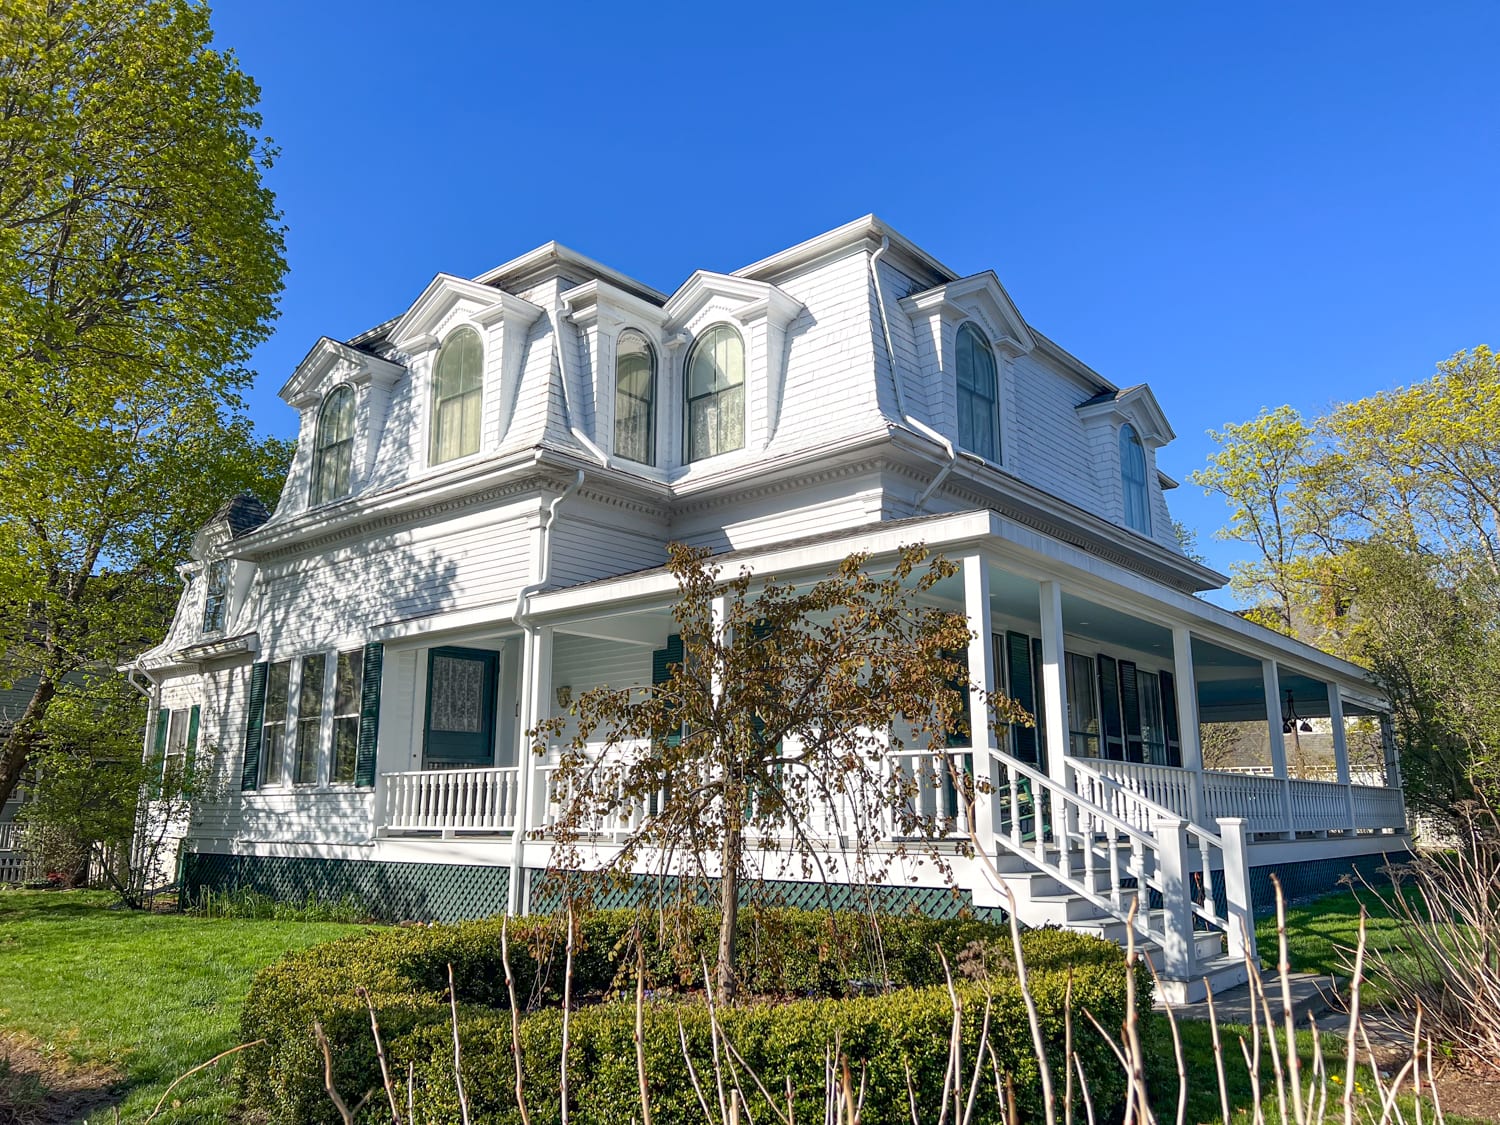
(215, 596)
(1133, 478)
(635, 398)
(1153, 720)
(333, 448)
(716, 394)
(457, 396)
(978, 394)
(1083, 714)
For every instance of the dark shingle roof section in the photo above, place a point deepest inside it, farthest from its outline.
(243, 514)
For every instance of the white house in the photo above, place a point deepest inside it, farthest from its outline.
(476, 517)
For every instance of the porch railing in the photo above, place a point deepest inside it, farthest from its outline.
(1271, 805)
(451, 801)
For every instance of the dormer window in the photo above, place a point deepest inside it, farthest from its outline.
(978, 394)
(333, 448)
(457, 396)
(216, 596)
(635, 398)
(716, 394)
(1133, 481)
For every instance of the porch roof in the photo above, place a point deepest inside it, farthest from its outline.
(1120, 599)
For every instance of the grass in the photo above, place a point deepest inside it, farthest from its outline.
(154, 995)
(151, 995)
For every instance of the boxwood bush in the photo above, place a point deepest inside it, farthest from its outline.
(799, 966)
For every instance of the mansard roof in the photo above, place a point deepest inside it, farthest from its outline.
(1136, 405)
(242, 515)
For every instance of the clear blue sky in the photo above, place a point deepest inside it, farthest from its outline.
(1242, 204)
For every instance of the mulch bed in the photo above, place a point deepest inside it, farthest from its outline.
(37, 1087)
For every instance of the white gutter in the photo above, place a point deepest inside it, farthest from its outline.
(890, 354)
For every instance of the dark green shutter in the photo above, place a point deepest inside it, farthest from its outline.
(662, 661)
(158, 751)
(1130, 704)
(1022, 689)
(369, 715)
(192, 738)
(255, 715)
(762, 630)
(958, 734)
(1109, 709)
(1169, 721)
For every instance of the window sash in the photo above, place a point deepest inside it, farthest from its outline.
(1153, 719)
(716, 423)
(978, 391)
(348, 680)
(310, 693)
(273, 726)
(215, 596)
(1083, 710)
(1133, 481)
(457, 396)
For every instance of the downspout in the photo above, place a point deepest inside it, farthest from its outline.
(529, 631)
(890, 354)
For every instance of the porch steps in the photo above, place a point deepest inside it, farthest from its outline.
(1043, 900)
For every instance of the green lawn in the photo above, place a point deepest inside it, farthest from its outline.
(151, 995)
(154, 995)
(1317, 930)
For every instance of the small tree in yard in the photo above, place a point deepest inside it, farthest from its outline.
(93, 801)
(788, 703)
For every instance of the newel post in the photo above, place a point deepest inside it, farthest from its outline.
(1239, 904)
(1177, 946)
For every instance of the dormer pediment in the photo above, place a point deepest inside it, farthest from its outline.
(1136, 405)
(601, 301)
(980, 298)
(417, 328)
(747, 301)
(330, 362)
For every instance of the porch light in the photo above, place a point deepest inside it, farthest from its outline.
(1290, 719)
(564, 695)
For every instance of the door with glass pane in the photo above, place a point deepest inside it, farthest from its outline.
(460, 732)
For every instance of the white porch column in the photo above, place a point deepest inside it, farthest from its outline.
(976, 574)
(531, 795)
(1341, 750)
(1054, 682)
(1185, 684)
(1271, 680)
(1392, 756)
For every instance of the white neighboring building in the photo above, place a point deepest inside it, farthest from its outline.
(476, 517)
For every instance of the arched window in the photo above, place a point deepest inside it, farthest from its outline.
(635, 398)
(333, 447)
(978, 394)
(1133, 480)
(457, 396)
(716, 394)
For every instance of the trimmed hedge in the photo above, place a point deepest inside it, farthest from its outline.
(783, 953)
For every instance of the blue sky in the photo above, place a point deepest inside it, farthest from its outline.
(1242, 204)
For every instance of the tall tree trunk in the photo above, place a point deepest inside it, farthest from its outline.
(729, 911)
(25, 736)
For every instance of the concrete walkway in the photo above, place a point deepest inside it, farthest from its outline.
(1311, 995)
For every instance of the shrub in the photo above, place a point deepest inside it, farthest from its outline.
(783, 953)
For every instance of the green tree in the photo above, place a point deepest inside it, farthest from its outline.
(1376, 531)
(140, 259)
(788, 705)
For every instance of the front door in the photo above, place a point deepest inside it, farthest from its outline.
(460, 732)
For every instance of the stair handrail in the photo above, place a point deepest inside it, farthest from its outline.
(1204, 841)
(1066, 801)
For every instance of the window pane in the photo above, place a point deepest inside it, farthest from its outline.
(274, 751)
(347, 688)
(635, 399)
(310, 695)
(1083, 713)
(457, 396)
(1153, 730)
(978, 394)
(216, 596)
(276, 685)
(1133, 481)
(345, 749)
(457, 695)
